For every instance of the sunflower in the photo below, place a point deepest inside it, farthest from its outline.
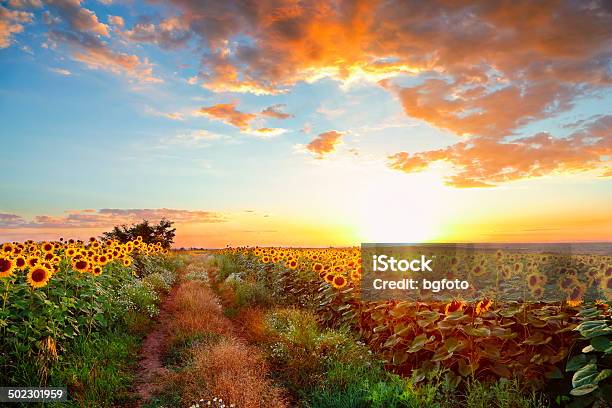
(7, 265)
(577, 293)
(329, 278)
(7, 248)
(70, 252)
(533, 280)
(339, 282)
(96, 270)
(478, 270)
(317, 267)
(39, 276)
(537, 292)
(80, 265)
(355, 276)
(292, 264)
(483, 306)
(127, 262)
(32, 261)
(454, 306)
(20, 262)
(567, 282)
(47, 247)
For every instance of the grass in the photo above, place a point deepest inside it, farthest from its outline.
(205, 358)
(98, 370)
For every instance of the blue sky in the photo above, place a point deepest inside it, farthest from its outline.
(86, 128)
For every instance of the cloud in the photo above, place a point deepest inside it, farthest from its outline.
(227, 113)
(78, 18)
(485, 162)
(477, 110)
(325, 143)
(97, 55)
(193, 138)
(12, 22)
(108, 217)
(25, 4)
(275, 111)
(60, 71)
(116, 21)
(170, 33)
(168, 115)
(79, 29)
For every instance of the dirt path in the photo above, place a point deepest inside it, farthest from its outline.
(224, 366)
(151, 365)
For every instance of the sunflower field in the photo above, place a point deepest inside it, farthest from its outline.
(64, 304)
(563, 347)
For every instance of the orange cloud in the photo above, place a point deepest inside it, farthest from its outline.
(78, 18)
(12, 22)
(80, 29)
(484, 162)
(275, 111)
(168, 34)
(108, 217)
(227, 113)
(476, 110)
(325, 143)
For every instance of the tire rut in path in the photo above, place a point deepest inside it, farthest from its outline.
(151, 364)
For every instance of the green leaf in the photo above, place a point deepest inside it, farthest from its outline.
(584, 390)
(586, 375)
(441, 355)
(593, 328)
(476, 332)
(602, 343)
(451, 344)
(419, 342)
(576, 362)
(537, 340)
(399, 357)
(602, 375)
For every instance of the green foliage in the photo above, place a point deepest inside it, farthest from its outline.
(501, 394)
(249, 293)
(162, 233)
(96, 368)
(592, 367)
(79, 329)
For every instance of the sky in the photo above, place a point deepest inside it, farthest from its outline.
(307, 123)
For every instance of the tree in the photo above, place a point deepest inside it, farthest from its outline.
(151, 234)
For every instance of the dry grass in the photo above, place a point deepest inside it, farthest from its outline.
(252, 323)
(196, 310)
(237, 373)
(229, 369)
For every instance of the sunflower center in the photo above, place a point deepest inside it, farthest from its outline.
(38, 275)
(5, 265)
